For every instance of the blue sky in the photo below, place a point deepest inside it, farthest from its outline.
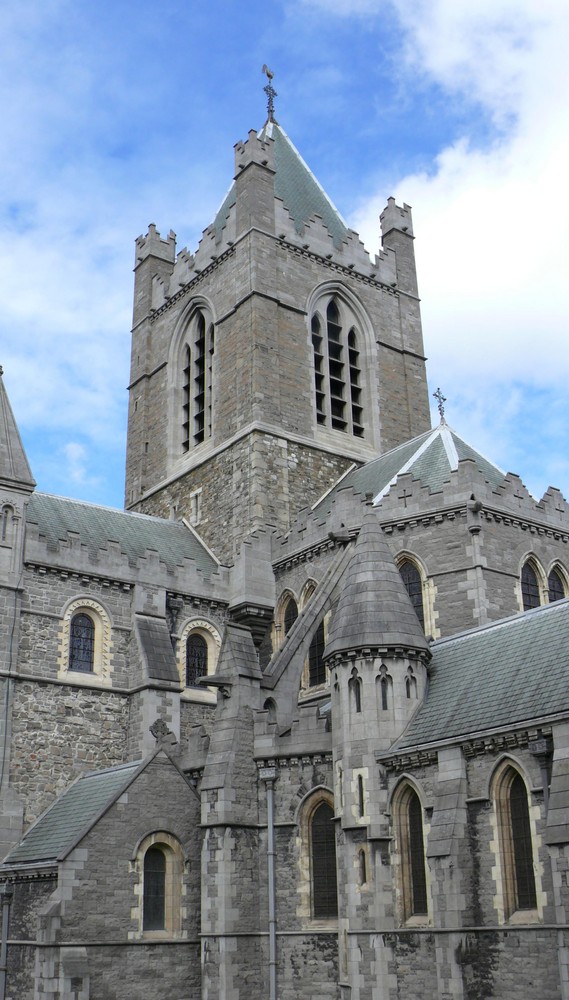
(118, 114)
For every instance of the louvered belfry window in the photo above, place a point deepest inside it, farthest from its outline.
(337, 372)
(154, 897)
(196, 659)
(197, 382)
(323, 862)
(82, 643)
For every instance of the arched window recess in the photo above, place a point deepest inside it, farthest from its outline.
(515, 835)
(193, 374)
(410, 841)
(556, 585)
(532, 584)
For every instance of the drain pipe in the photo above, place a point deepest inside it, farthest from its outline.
(6, 893)
(269, 776)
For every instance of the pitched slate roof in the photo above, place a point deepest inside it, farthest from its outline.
(374, 607)
(135, 533)
(14, 467)
(59, 829)
(500, 675)
(431, 458)
(296, 185)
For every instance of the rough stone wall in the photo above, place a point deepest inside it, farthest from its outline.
(29, 899)
(260, 480)
(59, 732)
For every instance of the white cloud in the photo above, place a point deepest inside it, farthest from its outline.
(491, 221)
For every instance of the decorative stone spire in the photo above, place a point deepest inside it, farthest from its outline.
(374, 610)
(15, 472)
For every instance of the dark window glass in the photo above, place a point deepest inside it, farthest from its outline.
(323, 858)
(384, 693)
(413, 585)
(555, 587)
(199, 380)
(521, 843)
(316, 666)
(186, 378)
(530, 588)
(196, 659)
(290, 615)
(154, 902)
(416, 856)
(82, 643)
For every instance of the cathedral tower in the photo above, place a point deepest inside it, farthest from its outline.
(276, 356)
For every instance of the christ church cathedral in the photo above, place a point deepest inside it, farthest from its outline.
(294, 725)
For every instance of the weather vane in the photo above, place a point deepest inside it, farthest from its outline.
(270, 92)
(441, 400)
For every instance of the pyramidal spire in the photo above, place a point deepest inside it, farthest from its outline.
(374, 609)
(15, 472)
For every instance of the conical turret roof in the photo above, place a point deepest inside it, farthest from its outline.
(15, 471)
(296, 186)
(374, 609)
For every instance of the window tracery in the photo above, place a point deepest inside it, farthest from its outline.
(338, 384)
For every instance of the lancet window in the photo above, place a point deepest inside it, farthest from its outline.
(197, 381)
(336, 343)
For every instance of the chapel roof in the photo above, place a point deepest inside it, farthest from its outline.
(136, 534)
(431, 458)
(506, 674)
(68, 819)
(296, 186)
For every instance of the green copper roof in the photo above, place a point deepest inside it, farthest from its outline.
(296, 186)
(60, 828)
(430, 458)
(500, 675)
(135, 533)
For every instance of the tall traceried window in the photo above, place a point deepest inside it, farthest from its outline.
(337, 367)
(411, 847)
(323, 862)
(82, 643)
(555, 586)
(197, 381)
(516, 846)
(531, 597)
(414, 587)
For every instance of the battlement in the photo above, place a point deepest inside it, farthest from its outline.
(152, 245)
(396, 217)
(254, 150)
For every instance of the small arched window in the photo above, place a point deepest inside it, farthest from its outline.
(530, 587)
(316, 665)
(82, 643)
(555, 587)
(323, 862)
(410, 838)
(516, 848)
(154, 890)
(6, 518)
(196, 659)
(355, 688)
(414, 587)
(337, 369)
(290, 615)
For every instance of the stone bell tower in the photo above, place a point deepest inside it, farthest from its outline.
(273, 358)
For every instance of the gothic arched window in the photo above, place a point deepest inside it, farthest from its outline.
(337, 368)
(530, 587)
(82, 643)
(196, 659)
(197, 381)
(290, 615)
(154, 890)
(316, 665)
(414, 587)
(516, 848)
(555, 586)
(410, 840)
(323, 862)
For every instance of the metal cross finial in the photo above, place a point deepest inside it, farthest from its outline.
(441, 400)
(270, 92)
